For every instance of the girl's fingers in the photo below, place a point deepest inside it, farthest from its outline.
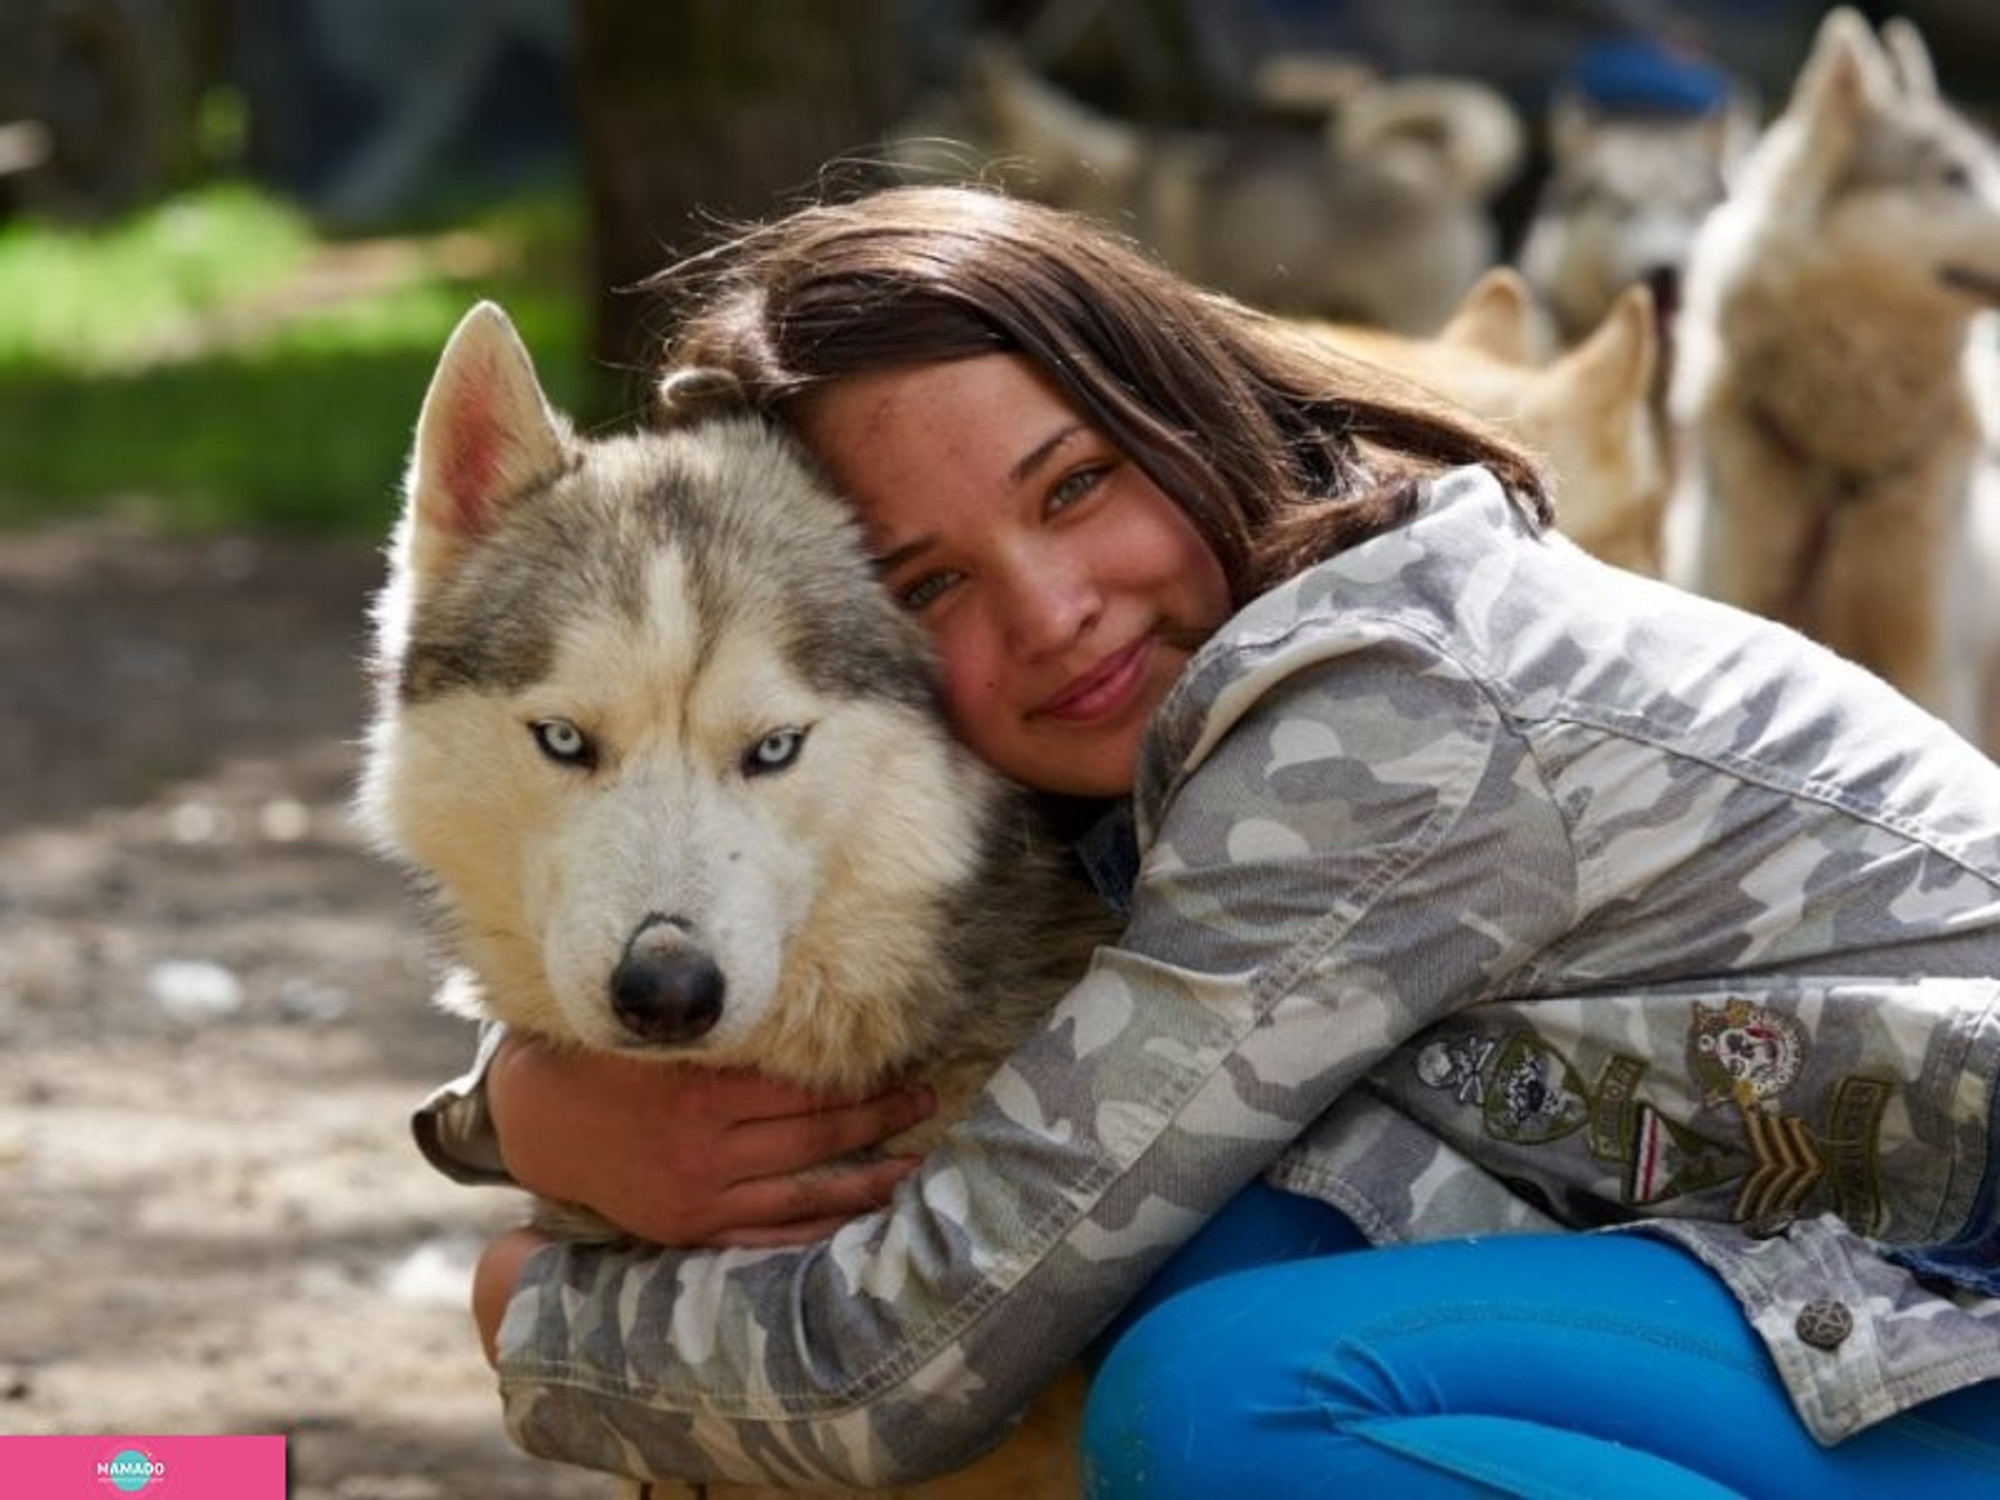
(792, 1143)
(797, 1209)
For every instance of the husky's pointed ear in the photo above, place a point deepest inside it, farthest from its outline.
(1595, 401)
(1498, 316)
(697, 391)
(486, 435)
(1838, 86)
(1909, 58)
(1846, 69)
(1431, 133)
(1614, 365)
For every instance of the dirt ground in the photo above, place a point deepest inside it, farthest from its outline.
(214, 1014)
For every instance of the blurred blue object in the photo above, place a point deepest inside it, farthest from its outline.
(1644, 75)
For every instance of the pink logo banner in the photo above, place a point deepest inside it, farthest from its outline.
(154, 1468)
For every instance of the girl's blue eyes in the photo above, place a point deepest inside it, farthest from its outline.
(925, 591)
(1074, 486)
(1067, 491)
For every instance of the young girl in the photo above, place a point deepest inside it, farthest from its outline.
(1472, 889)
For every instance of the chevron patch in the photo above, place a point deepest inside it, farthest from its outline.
(1787, 1168)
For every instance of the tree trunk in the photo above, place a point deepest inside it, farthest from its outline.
(696, 113)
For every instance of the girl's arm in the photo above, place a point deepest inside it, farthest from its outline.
(1337, 820)
(676, 1155)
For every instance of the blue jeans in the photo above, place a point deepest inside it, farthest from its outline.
(1266, 1362)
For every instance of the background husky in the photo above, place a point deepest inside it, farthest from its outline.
(1624, 196)
(1587, 411)
(670, 760)
(1376, 215)
(1831, 427)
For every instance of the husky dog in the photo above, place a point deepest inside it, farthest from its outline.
(1625, 194)
(671, 762)
(1379, 215)
(1587, 411)
(672, 765)
(1830, 423)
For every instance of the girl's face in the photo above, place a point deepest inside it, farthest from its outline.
(1058, 582)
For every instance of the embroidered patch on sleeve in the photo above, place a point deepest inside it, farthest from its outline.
(1743, 1052)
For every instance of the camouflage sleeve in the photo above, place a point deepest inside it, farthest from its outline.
(452, 1127)
(1337, 820)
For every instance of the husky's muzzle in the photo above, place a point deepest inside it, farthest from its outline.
(665, 990)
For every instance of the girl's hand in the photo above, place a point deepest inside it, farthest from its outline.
(686, 1156)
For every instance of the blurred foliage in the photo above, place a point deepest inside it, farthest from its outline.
(214, 363)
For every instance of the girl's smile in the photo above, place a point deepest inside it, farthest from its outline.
(1104, 689)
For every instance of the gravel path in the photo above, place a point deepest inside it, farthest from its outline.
(213, 1006)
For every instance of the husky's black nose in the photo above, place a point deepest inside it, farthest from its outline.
(669, 995)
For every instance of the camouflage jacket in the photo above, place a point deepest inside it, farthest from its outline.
(1481, 888)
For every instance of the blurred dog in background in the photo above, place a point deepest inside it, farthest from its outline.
(1586, 410)
(1831, 428)
(1378, 213)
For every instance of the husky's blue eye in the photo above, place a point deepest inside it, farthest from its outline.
(774, 751)
(562, 741)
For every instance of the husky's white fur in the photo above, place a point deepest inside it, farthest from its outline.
(1830, 427)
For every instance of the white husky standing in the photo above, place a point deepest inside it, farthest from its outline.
(673, 767)
(1830, 423)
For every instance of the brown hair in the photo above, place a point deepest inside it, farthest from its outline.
(1280, 450)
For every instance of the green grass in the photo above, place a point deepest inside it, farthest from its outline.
(193, 364)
